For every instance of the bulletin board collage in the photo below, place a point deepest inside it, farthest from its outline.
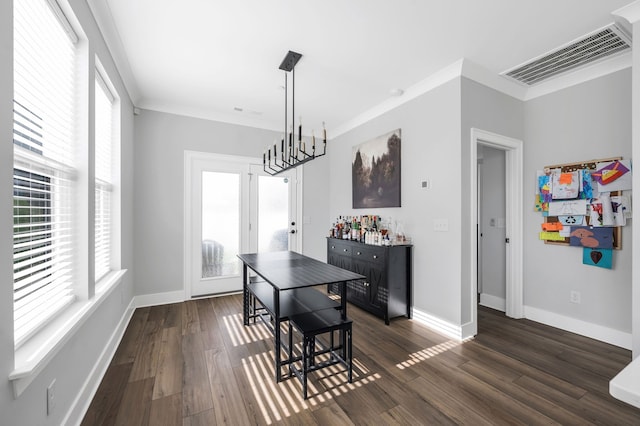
(585, 205)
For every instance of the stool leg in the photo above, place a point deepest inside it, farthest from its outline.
(331, 345)
(305, 363)
(290, 349)
(349, 356)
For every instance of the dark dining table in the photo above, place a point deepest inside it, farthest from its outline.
(285, 288)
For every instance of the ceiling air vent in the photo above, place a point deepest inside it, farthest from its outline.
(603, 43)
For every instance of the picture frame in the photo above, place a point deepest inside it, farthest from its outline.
(375, 172)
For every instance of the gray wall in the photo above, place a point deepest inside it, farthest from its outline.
(492, 209)
(430, 149)
(587, 121)
(161, 140)
(74, 362)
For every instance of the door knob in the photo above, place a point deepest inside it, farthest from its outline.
(293, 231)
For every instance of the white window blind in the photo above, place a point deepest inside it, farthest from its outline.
(104, 175)
(44, 170)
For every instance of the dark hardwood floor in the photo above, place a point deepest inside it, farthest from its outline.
(194, 363)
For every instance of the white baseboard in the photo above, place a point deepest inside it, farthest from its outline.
(493, 302)
(438, 324)
(90, 387)
(156, 299)
(583, 328)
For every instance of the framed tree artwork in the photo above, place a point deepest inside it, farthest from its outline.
(375, 172)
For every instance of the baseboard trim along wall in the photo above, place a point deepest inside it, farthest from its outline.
(493, 302)
(158, 299)
(583, 328)
(438, 324)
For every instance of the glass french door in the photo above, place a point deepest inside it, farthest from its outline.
(234, 207)
(273, 211)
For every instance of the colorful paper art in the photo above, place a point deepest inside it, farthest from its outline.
(571, 220)
(580, 209)
(551, 236)
(552, 226)
(613, 176)
(540, 206)
(587, 188)
(568, 208)
(611, 172)
(544, 188)
(587, 236)
(565, 185)
(621, 209)
(602, 258)
(602, 211)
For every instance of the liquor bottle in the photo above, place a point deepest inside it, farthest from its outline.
(347, 229)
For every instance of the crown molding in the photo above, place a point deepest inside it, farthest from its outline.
(630, 12)
(435, 80)
(102, 14)
(481, 75)
(209, 114)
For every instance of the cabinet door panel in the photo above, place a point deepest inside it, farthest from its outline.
(357, 293)
(378, 292)
(337, 259)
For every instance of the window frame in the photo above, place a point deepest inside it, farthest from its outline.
(33, 353)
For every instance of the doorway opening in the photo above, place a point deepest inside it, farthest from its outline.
(513, 225)
(491, 229)
(232, 206)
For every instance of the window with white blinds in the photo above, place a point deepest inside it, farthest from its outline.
(104, 110)
(44, 178)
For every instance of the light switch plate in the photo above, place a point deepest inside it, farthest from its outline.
(441, 225)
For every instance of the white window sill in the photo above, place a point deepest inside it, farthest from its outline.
(34, 355)
(626, 385)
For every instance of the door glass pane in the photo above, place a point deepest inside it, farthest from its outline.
(220, 224)
(273, 213)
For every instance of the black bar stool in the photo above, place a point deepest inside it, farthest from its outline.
(310, 325)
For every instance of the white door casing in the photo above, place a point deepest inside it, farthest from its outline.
(514, 222)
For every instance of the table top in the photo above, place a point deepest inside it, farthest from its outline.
(288, 270)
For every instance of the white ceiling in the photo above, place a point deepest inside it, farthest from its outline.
(204, 58)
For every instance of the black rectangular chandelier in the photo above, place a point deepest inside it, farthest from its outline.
(293, 149)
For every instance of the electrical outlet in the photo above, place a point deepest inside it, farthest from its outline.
(51, 397)
(575, 297)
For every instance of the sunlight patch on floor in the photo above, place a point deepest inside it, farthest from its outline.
(427, 353)
(241, 335)
(277, 401)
